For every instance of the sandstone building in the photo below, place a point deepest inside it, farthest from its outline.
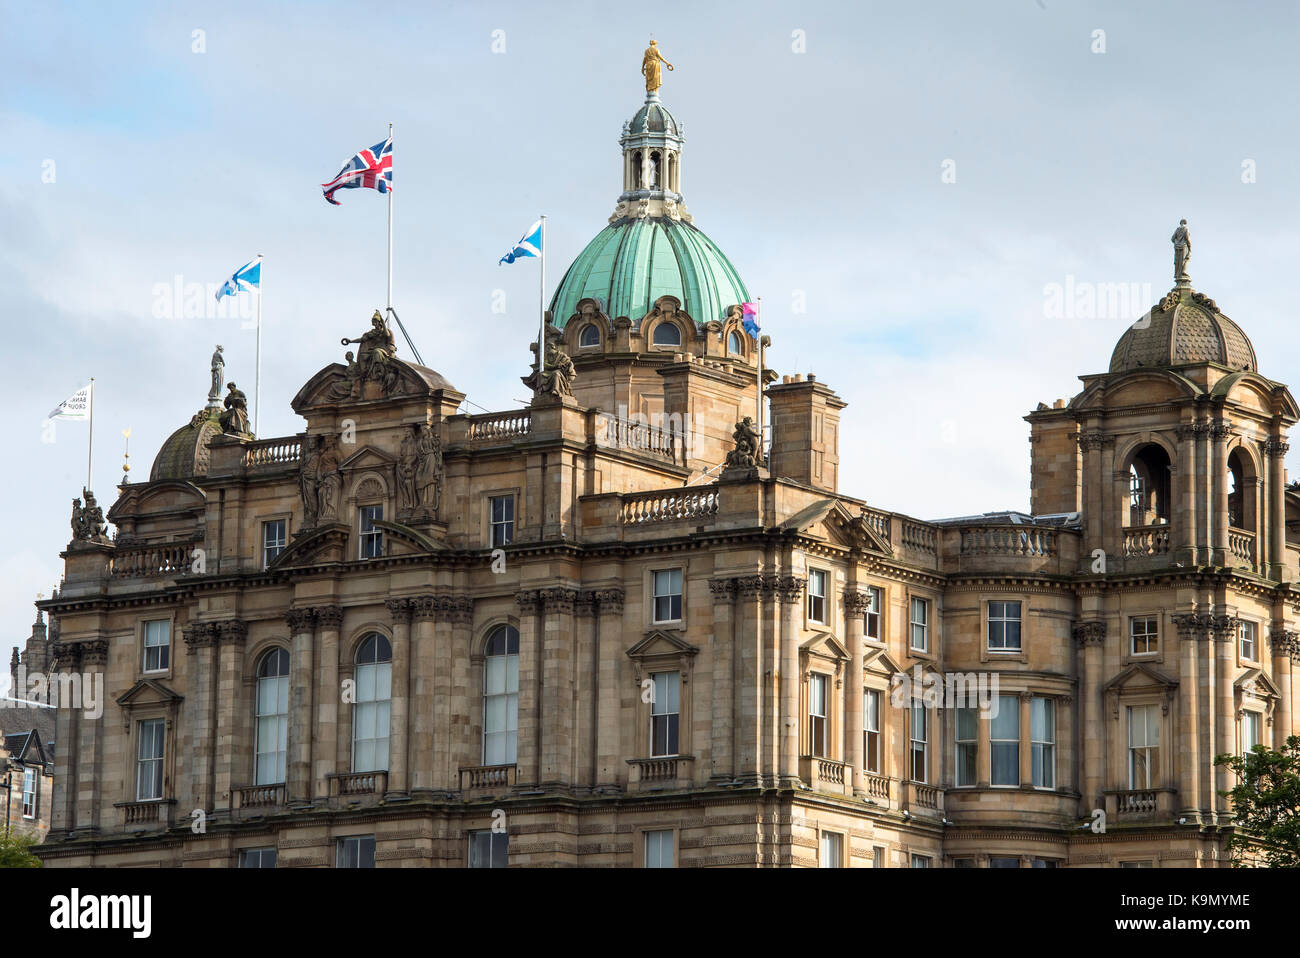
(559, 636)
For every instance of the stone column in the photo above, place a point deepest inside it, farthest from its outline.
(71, 737)
(451, 721)
(422, 691)
(1225, 641)
(1094, 486)
(199, 639)
(1185, 474)
(791, 599)
(586, 666)
(1091, 636)
(1067, 778)
(748, 702)
(557, 685)
(855, 608)
(983, 747)
(1276, 450)
(90, 792)
(1190, 631)
(530, 680)
(609, 636)
(400, 698)
(232, 748)
(301, 624)
(1284, 645)
(325, 745)
(1025, 749)
(721, 661)
(1220, 430)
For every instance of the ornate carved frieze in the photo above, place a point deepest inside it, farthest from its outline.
(1193, 625)
(609, 601)
(1220, 429)
(1275, 448)
(400, 609)
(748, 586)
(1192, 430)
(558, 600)
(300, 621)
(1091, 632)
(1284, 642)
(231, 632)
(722, 590)
(199, 635)
(856, 603)
(329, 616)
(790, 588)
(1225, 627)
(424, 606)
(1089, 441)
(94, 652)
(584, 604)
(527, 600)
(67, 654)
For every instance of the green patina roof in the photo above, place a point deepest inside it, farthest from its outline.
(633, 262)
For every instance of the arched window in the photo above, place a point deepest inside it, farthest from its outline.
(1242, 485)
(590, 335)
(667, 334)
(501, 696)
(374, 680)
(656, 181)
(735, 345)
(1149, 487)
(272, 717)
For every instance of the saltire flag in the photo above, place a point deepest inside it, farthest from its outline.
(749, 313)
(370, 169)
(76, 406)
(248, 276)
(529, 245)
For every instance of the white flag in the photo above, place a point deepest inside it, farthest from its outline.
(76, 406)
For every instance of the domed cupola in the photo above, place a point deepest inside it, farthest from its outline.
(651, 247)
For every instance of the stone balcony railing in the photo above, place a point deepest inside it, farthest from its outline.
(129, 562)
(358, 784)
(499, 426)
(155, 813)
(1241, 546)
(824, 774)
(640, 508)
(877, 788)
(488, 778)
(271, 455)
(922, 799)
(650, 439)
(1142, 542)
(1140, 804)
(650, 774)
(258, 796)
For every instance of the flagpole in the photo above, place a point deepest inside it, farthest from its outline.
(90, 436)
(541, 310)
(758, 302)
(257, 385)
(390, 232)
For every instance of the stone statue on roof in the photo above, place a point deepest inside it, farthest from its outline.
(218, 375)
(1182, 241)
(650, 67)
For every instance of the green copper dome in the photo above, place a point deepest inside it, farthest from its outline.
(634, 261)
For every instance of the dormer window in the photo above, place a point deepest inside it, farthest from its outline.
(734, 344)
(667, 334)
(590, 336)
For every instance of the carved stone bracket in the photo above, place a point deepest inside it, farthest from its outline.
(300, 621)
(1225, 627)
(329, 616)
(199, 635)
(1193, 625)
(1089, 441)
(67, 653)
(528, 601)
(1221, 429)
(1275, 448)
(584, 605)
(790, 588)
(231, 632)
(856, 603)
(723, 591)
(558, 600)
(1284, 642)
(1091, 632)
(609, 601)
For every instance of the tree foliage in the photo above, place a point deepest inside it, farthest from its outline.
(15, 851)
(1266, 805)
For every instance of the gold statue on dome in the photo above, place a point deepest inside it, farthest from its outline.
(650, 67)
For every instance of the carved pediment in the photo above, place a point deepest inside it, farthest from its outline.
(662, 642)
(414, 541)
(1140, 677)
(879, 662)
(340, 384)
(327, 543)
(367, 457)
(148, 692)
(1254, 683)
(830, 521)
(826, 646)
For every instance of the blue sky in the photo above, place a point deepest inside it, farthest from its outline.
(818, 173)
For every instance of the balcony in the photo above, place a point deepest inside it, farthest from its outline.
(877, 788)
(1140, 804)
(258, 796)
(660, 774)
(356, 788)
(824, 774)
(1146, 546)
(922, 799)
(139, 816)
(1241, 547)
(484, 780)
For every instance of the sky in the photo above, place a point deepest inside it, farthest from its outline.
(905, 185)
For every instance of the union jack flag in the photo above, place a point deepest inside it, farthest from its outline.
(371, 169)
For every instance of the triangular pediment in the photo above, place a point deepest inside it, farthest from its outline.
(328, 543)
(148, 692)
(1139, 676)
(1254, 683)
(830, 520)
(825, 644)
(662, 642)
(879, 661)
(367, 457)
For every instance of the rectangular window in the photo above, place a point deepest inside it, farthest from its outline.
(877, 856)
(816, 595)
(157, 645)
(1144, 633)
(1004, 740)
(488, 849)
(273, 540)
(665, 710)
(1042, 740)
(668, 595)
(1249, 735)
(1143, 746)
(1248, 645)
(871, 730)
(1046, 863)
(1004, 626)
(501, 521)
(920, 625)
(149, 760)
(832, 850)
(257, 858)
(1144, 864)
(920, 861)
(963, 863)
(967, 736)
(875, 610)
(996, 862)
(356, 851)
(919, 766)
(29, 793)
(817, 698)
(659, 849)
(372, 538)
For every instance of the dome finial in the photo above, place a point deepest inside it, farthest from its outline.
(1182, 241)
(650, 67)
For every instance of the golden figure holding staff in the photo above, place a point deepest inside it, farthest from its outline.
(650, 67)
